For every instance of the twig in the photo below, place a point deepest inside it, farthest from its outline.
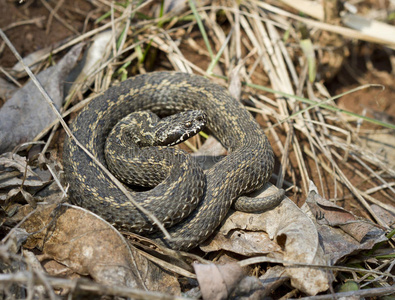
(292, 264)
(24, 22)
(383, 291)
(10, 77)
(86, 286)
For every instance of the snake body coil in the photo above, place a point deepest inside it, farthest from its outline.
(247, 167)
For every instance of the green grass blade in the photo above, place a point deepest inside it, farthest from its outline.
(308, 50)
(324, 105)
(216, 59)
(201, 27)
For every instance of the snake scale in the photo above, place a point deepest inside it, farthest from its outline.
(246, 168)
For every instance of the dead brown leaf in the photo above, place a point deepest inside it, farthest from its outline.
(341, 232)
(26, 114)
(284, 233)
(387, 217)
(88, 245)
(218, 281)
(18, 179)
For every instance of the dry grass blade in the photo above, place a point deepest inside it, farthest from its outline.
(82, 286)
(256, 260)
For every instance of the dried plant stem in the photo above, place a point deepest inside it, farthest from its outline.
(375, 292)
(83, 286)
(291, 264)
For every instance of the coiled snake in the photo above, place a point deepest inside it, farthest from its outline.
(205, 197)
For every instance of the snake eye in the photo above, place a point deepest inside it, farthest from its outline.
(188, 124)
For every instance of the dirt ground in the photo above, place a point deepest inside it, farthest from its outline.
(27, 26)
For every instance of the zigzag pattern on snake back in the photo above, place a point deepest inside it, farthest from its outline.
(247, 167)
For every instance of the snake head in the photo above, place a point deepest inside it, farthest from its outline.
(177, 128)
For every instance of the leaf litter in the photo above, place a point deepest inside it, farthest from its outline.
(301, 246)
(88, 245)
(25, 114)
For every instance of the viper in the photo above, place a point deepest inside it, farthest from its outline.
(190, 201)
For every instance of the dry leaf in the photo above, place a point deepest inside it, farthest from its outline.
(328, 213)
(227, 281)
(340, 231)
(16, 173)
(386, 216)
(26, 114)
(35, 59)
(273, 278)
(218, 281)
(97, 53)
(88, 245)
(293, 238)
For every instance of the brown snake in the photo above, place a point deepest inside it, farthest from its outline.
(246, 168)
